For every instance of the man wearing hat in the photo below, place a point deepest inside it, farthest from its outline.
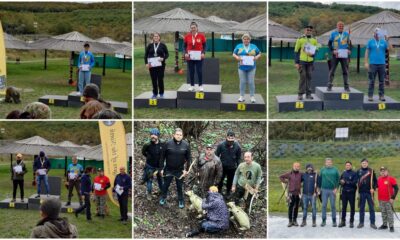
(309, 179)
(41, 168)
(348, 181)
(366, 188)
(152, 150)
(100, 185)
(74, 173)
(18, 171)
(51, 225)
(375, 62)
(339, 42)
(229, 151)
(387, 192)
(304, 51)
(85, 64)
(209, 170)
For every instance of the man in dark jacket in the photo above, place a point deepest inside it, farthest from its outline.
(348, 182)
(41, 168)
(173, 159)
(86, 189)
(124, 182)
(367, 184)
(229, 152)
(292, 180)
(309, 180)
(18, 172)
(217, 218)
(152, 151)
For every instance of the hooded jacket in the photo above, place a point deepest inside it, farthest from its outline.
(58, 228)
(217, 211)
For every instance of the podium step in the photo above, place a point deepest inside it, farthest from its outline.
(199, 104)
(210, 72)
(338, 99)
(288, 103)
(229, 102)
(144, 100)
(320, 75)
(56, 100)
(34, 203)
(75, 99)
(211, 92)
(6, 203)
(70, 208)
(121, 107)
(389, 104)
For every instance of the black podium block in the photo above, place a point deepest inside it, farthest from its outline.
(199, 104)
(56, 100)
(320, 75)
(211, 92)
(389, 104)
(210, 72)
(144, 100)
(75, 99)
(54, 186)
(121, 107)
(229, 102)
(70, 208)
(6, 203)
(96, 79)
(338, 99)
(34, 203)
(287, 103)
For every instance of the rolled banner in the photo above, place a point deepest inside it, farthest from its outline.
(3, 67)
(113, 144)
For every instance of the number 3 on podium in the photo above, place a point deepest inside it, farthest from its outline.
(299, 105)
(152, 102)
(345, 96)
(241, 107)
(199, 95)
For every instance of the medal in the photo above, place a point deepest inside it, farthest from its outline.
(377, 44)
(155, 49)
(194, 39)
(246, 49)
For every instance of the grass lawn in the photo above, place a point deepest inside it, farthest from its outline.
(279, 166)
(36, 82)
(284, 80)
(19, 223)
(228, 78)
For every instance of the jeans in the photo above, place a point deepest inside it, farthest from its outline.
(179, 185)
(84, 79)
(348, 197)
(309, 199)
(209, 227)
(374, 69)
(247, 77)
(230, 174)
(344, 62)
(328, 194)
(198, 65)
(86, 206)
(157, 79)
(366, 197)
(39, 180)
(19, 183)
(148, 178)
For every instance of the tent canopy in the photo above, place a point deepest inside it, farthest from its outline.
(225, 22)
(127, 51)
(280, 32)
(111, 43)
(256, 26)
(12, 42)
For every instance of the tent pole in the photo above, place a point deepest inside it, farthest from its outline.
(145, 40)
(212, 46)
(358, 58)
(123, 64)
(281, 52)
(84, 163)
(288, 46)
(269, 51)
(65, 166)
(71, 66)
(45, 59)
(104, 64)
(11, 160)
(176, 51)
(233, 42)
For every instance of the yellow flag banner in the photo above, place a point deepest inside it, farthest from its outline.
(3, 68)
(113, 144)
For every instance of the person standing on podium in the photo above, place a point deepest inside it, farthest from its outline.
(194, 47)
(18, 171)
(41, 168)
(74, 174)
(85, 64)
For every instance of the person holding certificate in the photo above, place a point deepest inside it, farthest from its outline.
(305, 50)
(340, 46)
(18, 171)
(122, 187)
(376, 54)
(194, 47)
(100, 185)
(86, 189)
(154, 57)
(41, 167)
(85, 65)
(246, 54)
(74, 173)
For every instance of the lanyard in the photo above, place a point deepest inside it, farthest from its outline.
(194, 39)
(42, 162)
(155, 48)
(377, 43)
(85, 57)
(341, 37)
(246, 49)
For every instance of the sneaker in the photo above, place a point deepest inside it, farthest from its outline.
(295, 223)
(191, 89)
(304, 223)
(342, 224)
(300, 97)
(13, 200)
(22, 200)
(253, 100)
(391, 229)
(309, 97)
(37, 196)
(162, 201)
(161, 95)
(347, 89)
(370, 99)
(383, 226)
(360, 225)
(323, 223)
(382, 98)
(68, 204)
(181, 204)
(329, 88)
(372, 225)
(201, 89)
(241, 99)
(290, 224)
(351, 224)
(334, 224)
(154, 96)
(76, 213)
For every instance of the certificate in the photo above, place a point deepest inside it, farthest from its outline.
(119, 190)
(42, 171)
(248, 60)
(18, 169)
(97, 186)
(154, 62)
(72, 175)
(310, 49)
(85, 67)
(343, 53)
(195, 55)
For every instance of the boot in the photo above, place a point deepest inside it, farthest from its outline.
(342, 224)
(391, 229)
(360, 225)
(295, 223)
(290, 224)
(314, 223)
(192, 233)
(303, 223)
(383, 226)
(351, 224)
(323, 223)
(372, 225)
(329, 88)
(309, 97)
(300, 97)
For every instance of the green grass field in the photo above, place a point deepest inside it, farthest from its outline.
(278, 166)
(284, 80)
(172, 81)
(36, 82)
(18, 223)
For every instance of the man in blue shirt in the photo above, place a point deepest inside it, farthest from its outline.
(85, 65)
(376, 53)
(124, 182)
(74, 173)
(339, 43)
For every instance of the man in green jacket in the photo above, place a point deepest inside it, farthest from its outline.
(328, 183)
(304, 51)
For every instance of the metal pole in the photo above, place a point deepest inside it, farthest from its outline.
(71, 67)
(269, 51)
(233, 42)
(104, 64)
(145, 40)
(11, 160)
(65, 166)
(176, 51)
(123, 64)
(281, 52)
(212, 44)
(358, 58)
(45, 59)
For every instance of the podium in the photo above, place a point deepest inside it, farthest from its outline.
(210, 72)
(56, 100)
(320, 75)
(229, 102)
(338, 99)
(6, 203)
(376, 104)
(69, 209)
(210, 98)
(287, 103)
(75, 99)
(145, 100)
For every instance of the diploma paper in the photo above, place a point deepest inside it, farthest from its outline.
(154, 62)
(18, 169)
(343, 53)
(248, 60)
(310, 49)
(195, 55)
(42, 171)
(97, 186)
(72, 175)
(85, 67)
(119, 190)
